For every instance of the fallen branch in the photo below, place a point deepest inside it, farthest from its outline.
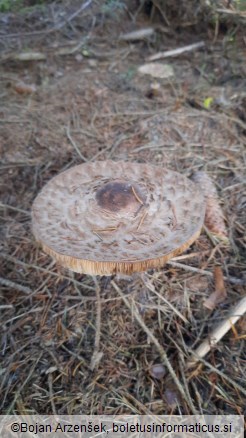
(175, 52)
(218, 332)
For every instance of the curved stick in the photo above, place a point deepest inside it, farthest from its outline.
(219, 332)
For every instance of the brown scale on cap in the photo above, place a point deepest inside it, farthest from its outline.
(119, 195)
(111, 217)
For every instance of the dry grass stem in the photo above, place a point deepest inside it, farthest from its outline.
(11, 207)
(224, 376)
(15, 286)
(190, 255)
(75, 145)
(157, 345)
(162, 298)
(20, 389)
(230, 279)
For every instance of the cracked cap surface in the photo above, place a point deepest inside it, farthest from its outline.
(111, 217)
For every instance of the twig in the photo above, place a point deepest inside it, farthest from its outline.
(176, 52)
(152, 147)
(161, 295)
(161, 11)
(221, 374)
(39, 268)
(182, 372)
(74, 144)
(50, 383)
(53, 29)
(233, 280)
(97, 355)
(190, 255)
(11, 207)
(225, 117)
(20, 389)
(16, 286)
(219, 331)
(77, 356)
(6, 306)
(160, 349)
(230, 12)
(25, 56)
(138, 34)
(72, 16)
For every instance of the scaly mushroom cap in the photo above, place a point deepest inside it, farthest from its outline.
(111, 217)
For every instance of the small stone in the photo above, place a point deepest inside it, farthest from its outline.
(171, 398)
(157, 371)
(92, 62)
(79, 57)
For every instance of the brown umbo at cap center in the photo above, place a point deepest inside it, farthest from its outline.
(119, 195)
(111, 217)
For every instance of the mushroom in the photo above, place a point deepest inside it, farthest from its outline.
(107, 217)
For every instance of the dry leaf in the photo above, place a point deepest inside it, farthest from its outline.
(22, 88)
(220, 294)
(214, 218)
(198, 283)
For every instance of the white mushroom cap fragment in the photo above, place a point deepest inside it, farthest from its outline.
(111, 217)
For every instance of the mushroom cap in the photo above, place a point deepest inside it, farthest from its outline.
(109, 217)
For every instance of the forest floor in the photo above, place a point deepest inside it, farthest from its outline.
(71, 92)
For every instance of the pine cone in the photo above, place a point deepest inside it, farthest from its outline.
(214, 218)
